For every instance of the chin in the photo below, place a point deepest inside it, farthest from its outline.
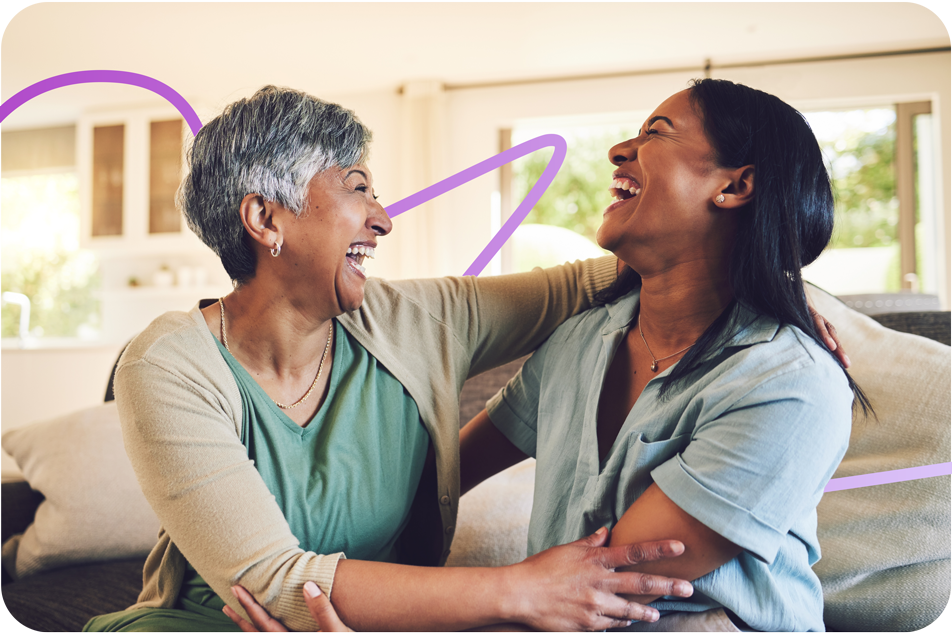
(605, 239)
(352, 303)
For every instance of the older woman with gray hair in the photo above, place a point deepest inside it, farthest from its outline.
(313, 412)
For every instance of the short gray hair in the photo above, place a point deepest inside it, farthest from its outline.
(272, 143)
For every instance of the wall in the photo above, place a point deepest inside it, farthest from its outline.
(41, 384)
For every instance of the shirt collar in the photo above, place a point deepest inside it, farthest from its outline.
(748, 328)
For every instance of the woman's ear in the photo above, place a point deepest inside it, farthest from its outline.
(738, 191)
(257, 215)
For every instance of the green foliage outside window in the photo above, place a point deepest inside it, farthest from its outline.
(858, 146)
(864, 181)
(42, 259)
(579, 193)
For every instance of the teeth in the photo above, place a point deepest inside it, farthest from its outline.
(626, 185)
(362, 250)
(358, 267)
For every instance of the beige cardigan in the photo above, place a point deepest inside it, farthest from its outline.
(181, 416)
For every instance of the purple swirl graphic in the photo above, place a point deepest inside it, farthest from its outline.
(548, 140)
(108, 77)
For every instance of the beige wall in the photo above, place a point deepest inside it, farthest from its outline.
(41, 384)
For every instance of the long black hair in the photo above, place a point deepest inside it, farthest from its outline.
(788, 223)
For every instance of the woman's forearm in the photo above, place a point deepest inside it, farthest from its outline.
(566, 588)
(379, 596)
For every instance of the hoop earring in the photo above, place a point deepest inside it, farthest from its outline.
(718, 199)
(276, 251)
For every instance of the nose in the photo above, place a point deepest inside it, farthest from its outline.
(378, 220)
(623, 152)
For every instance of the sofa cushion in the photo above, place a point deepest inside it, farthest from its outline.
(65, 599)
(885, 548)
(493, 522)
(93, 509)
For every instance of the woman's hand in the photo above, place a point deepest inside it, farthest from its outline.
(317, 603)
(828, 332)
(575, 587)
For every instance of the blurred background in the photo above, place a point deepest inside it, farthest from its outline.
(93, 248)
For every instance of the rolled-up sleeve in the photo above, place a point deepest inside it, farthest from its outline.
(756, 468)
(514, 410)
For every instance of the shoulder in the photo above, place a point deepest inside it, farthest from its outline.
(787, 367)
(176, 347)
(169, 336)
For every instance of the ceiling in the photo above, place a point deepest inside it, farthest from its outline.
(218, 50)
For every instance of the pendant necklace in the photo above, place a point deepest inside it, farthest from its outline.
(654, 362)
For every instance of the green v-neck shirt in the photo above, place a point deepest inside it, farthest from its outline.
(346, 480)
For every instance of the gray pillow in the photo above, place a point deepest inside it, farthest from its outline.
(93, 508)
(885, 548)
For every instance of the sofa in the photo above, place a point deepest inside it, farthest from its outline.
(76, 532)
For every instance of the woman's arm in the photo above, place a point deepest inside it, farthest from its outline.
(497, 319)
(483, 452)
(567, 588)
(469, 604)
(212, 502)
(749, 473)
(654, 515)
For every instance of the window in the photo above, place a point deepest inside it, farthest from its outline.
(43, 269)
(562, 226)
(882, 169)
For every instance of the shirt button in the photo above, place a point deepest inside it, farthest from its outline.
(449, 530)
(445, 500)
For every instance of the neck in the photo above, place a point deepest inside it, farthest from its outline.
(270, 331)
(677, 305)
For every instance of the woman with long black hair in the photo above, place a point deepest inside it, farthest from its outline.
(698, 402)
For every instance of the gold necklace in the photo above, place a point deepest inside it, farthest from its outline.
(320, 369)
(654, 362)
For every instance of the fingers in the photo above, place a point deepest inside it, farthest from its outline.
(261, 620)
(639, 552)
(322, 610)
(237, 619)
(634, 583)
(827, 333)
(597, 539)
(838, 347)
(624, 612)
(824, 329)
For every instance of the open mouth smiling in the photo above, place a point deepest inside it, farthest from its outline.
(356, 254)
(624, 187)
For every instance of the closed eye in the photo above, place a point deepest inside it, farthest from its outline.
(363, 188)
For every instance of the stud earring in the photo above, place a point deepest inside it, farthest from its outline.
(720, 198)
(276, 251)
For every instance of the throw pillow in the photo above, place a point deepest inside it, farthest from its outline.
(885, 548)
(93, 508)
(493, 521)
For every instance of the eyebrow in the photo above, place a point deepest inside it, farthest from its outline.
(660, 118)
(360, 172)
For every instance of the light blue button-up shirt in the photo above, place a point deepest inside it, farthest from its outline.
(746, 447)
